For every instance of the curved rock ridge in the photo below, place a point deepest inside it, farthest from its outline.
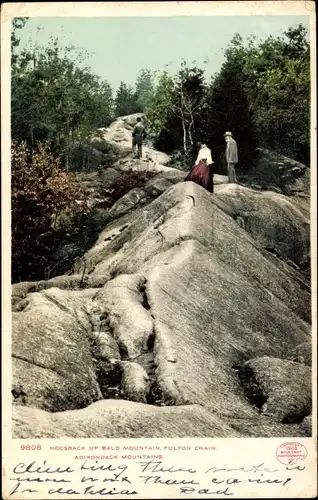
(125, 419)
(181, 311)
(189, 317)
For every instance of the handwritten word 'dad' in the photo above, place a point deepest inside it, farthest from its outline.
(148, 479)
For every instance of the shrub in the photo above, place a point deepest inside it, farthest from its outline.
(40, 191)
(182, 161)
(129, 179)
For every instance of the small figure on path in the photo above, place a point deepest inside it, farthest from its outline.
(231, 156)
(202, 173)
(138, 134)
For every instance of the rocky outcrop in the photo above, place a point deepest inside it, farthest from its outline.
(184, 297)
(117, 138)
(52, 365)
(120, 190)
(115, 419)
(301, 353)
(275, 172)
(189, 317)
(273, 220)
(279, 388)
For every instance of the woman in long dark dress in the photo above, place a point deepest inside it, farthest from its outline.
(202, 173)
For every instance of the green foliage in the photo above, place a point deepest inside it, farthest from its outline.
(125, 101)
(261, 94)
(17, 24)
(176, 115)
(229, 109)
(144, 90)
(157, 113)
(181, 160)
(53, 98)
(277, 83)
(129, 101)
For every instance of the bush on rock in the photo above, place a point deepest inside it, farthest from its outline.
(41, 189)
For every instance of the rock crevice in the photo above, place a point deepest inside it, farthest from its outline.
(189, 317)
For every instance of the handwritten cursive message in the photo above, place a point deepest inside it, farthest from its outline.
(94, 478)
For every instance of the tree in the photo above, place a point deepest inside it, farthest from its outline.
(56, 102)
(104, 105)
(277, 82)
(188, 102)
(144, 90)
(262, 95)
(54, 98)
(17, 23)
(228, 106)
(125, 101)
(178, 110)
(162, 100)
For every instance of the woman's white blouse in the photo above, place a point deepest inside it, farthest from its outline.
(204, 154)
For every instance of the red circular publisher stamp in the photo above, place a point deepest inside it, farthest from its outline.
(290, 453)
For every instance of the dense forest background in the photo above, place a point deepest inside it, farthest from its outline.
(261, 94)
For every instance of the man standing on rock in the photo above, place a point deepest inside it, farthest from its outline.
(139, 134)
(231, 156)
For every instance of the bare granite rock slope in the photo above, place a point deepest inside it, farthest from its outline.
(189, 317)
(118, 138)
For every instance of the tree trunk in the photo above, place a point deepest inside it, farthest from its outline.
(32, 135)
(83, 160)
(184, 135)
(67, 145)
(190, 135)
(191, 126)
(183, 120)
(67, 165)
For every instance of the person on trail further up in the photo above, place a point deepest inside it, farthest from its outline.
(231, 156)
(138, 135)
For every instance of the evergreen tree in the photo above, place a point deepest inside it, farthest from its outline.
(144, 93)
(229, 110)
(125, 101)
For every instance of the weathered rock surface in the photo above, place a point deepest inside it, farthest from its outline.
(189, 317)
(301, 353)
(115, 419)
(275, 172)
(52, 365)
(118, 138)
(280, 388)
(126, 419)
(272, 219)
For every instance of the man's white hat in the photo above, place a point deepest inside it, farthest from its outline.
(228, 134)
